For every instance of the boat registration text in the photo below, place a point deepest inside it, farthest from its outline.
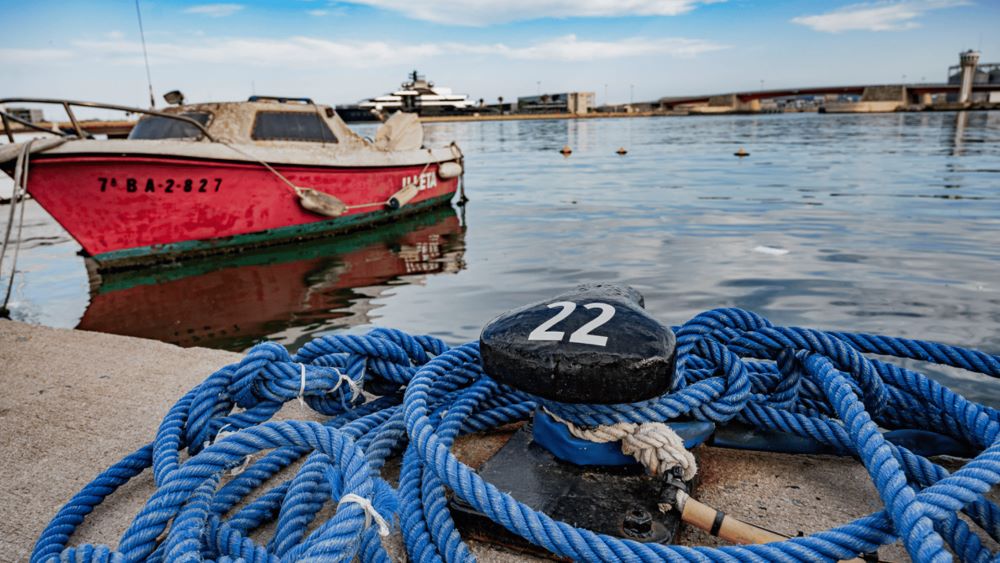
(149, 185)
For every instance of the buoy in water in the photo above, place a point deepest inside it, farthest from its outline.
(566, 151)
(741, 153)
(622, 151)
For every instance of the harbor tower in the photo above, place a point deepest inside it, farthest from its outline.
(969, 61)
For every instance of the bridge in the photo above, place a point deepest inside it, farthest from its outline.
(904, 94)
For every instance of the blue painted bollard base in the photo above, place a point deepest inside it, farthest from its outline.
(553, 436)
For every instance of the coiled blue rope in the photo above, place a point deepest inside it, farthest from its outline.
(731, 365)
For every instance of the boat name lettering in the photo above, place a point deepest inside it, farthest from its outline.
(169, 186)
(422, 181)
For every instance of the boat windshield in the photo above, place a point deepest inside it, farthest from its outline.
(156, 127)
(291, 126)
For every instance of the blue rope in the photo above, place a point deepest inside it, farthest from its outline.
(732, 365)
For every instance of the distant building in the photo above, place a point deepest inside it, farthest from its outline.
(31, 115)
(567, 102)
(499, 108)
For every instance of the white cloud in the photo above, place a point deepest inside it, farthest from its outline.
(309, 51)
(30, 56)
(318, 13)
(215, 10)
(485, 12)
(569, 48)
(878, 16)
(294, 51)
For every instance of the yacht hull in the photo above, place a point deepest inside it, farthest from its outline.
(127, 210)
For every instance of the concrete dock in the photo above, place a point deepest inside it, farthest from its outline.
(74, 402)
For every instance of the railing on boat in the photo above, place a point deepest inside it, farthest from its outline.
(68, 105)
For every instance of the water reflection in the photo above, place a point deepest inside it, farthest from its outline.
(294, 289)
(961, 120)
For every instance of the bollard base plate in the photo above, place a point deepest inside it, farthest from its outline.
(597, 498)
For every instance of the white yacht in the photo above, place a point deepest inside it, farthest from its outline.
(420, 96)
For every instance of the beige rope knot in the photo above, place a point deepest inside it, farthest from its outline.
(653, 444)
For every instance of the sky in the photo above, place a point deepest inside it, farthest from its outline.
(341, 52)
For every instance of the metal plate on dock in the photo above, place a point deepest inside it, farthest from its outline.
(614, 500)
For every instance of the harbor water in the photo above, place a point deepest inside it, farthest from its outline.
(884, 223)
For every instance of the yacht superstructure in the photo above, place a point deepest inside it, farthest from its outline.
(418, 95)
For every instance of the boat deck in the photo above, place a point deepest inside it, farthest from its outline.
(76, 401)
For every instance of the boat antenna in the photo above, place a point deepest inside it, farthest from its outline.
(145, 56)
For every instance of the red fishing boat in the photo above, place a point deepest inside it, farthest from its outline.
(204, 178)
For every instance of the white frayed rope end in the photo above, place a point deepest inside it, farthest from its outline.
(341, 379)
(222, 434)
(344, 378)
(370, 512)
(302, 384)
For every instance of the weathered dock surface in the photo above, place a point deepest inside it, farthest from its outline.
(73, 402)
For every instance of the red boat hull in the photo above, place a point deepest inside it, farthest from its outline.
(133, 208)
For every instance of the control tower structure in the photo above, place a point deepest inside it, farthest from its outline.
(969, 61)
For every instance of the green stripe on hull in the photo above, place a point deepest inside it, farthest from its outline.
(131, 257)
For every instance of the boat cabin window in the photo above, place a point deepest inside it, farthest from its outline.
(156, 127)
(291, 126)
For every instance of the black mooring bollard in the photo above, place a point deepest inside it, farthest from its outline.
(593, 345)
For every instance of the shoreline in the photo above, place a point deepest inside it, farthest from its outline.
(544, 116)
(121, 128)
(697, 111)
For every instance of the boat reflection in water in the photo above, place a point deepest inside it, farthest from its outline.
(293, 290)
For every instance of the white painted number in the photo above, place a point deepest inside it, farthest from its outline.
(543, 332)
(581, 335)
